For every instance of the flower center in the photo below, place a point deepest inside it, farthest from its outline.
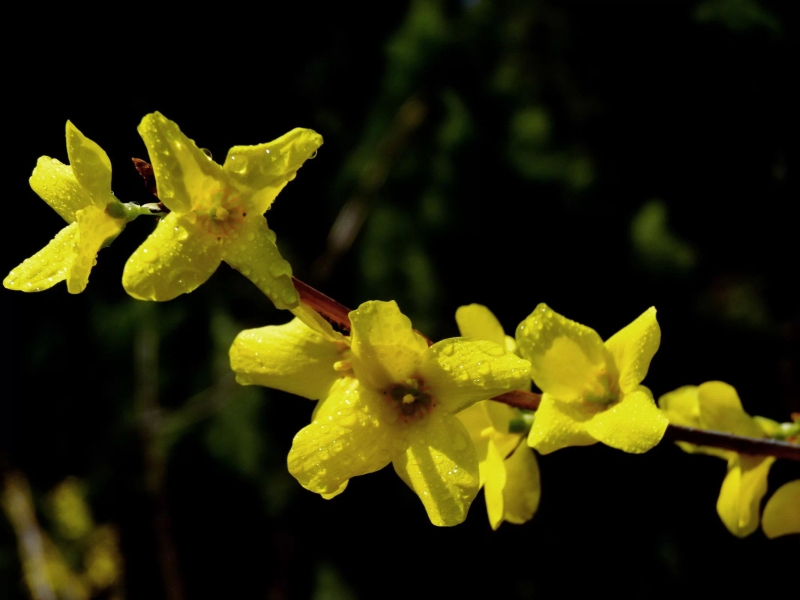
(411, 399)
(220, 212)
(603, 391)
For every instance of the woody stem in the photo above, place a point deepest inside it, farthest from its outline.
(338, 315)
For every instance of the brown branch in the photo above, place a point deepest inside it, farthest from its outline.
(737, 443)
(337, 314)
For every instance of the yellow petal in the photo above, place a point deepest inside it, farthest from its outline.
(254, 254)
(178, 257)
(721, 410)
(500, 415)
(461, 371)
(565, 356)
(95, 228)
(348, 437)
(332, 495)
(440, 465)
(477, 322)
(316, 322)
(90, 164)
(184, 173)
(55, 183)
(267, 168)
(48, 266)
(633, 425)
(741, 493)
(782, 512)
(493, 476)
(290, 357)
(559, 425)
(523, 487)
(682, 407)
(633, 347)
(386, 349)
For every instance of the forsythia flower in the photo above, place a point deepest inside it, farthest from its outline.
(509, 473)
(782, 512)
(81, 193)
(592, 390)
(715, 405)
(398, 407)
(216, 213)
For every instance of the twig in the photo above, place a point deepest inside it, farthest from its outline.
(337, 313)
(150, 427)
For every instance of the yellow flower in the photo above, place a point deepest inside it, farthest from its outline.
(509, 473)
(81, 193)
(216, 213)
(400, 407)
(715, 405)
(782, 512)
(592, 390)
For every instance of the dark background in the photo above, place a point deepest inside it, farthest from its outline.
(600, 157)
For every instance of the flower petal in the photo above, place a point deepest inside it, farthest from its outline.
(633, 425)
(184, 173)
(493, 478)
(386, 349)
(721, 410)
(682, 407)
(48, 266)
(461, 371)
(95, 229)
(500, 415)
(348, 437)
(523, 488)
(742, 491)
(55, 183)
(178, 257)
(333, 495)
(559, 425)
(267, 168)
(478, 322)
(633, 347)
(90, 164)
(252, 252)
(440, 465)
(291, 357)
(782, 512)
(565, 356)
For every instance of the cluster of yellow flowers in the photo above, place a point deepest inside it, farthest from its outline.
(384, 393)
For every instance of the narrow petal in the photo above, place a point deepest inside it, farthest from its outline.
(633, 347)
(635, 424)
(500, 415)
(291, 357)
(386, 349)
(267, 168)
(316, 322)
(478, 322)
(90, 164)
(565, 356)
(95, 229)
(559, 425)
(48, 266)
(741, 493)
(184, 173)
(55, 183)
(461, 371)
(251, 250)
(440, 465)
(348, 437)
(178, 257)
(494, 478)
(721, 410)
(523, 488)
(476, 422)
(682, 407)
(782, 512)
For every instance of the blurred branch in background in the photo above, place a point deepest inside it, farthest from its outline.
(351, 217)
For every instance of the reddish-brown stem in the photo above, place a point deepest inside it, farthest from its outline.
(338, 314)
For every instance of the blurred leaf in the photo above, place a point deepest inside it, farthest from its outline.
(737, 15)
(329, 584)
(655, 247)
